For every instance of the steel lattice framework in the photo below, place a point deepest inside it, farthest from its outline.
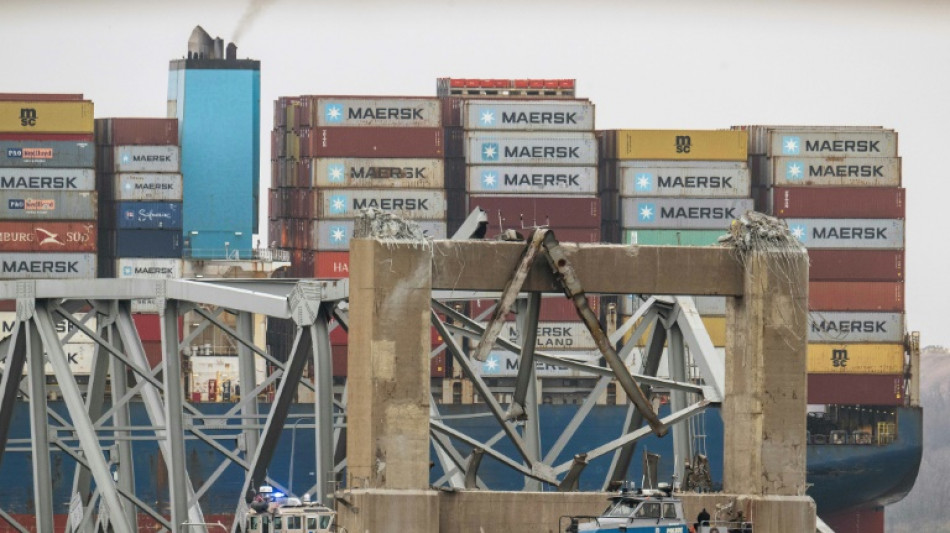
(98, 436)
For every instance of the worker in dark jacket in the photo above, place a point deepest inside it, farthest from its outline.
(702, 518)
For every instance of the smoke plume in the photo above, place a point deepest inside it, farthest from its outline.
(254, 8)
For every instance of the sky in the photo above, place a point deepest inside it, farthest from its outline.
(645, 64)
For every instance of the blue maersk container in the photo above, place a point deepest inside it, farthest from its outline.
(148, 215)
(217, 103)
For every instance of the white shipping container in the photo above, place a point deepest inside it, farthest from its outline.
(378, 173)
(524, 148)
(148, 187)
(335, 235)
(47, 266)
(529, 115)
(844, 143)
(49, 179)
(416, 204)
(48, 205)
(142, 158)
(848, 233)
(761, 136)
(79, 356)
(63, 327)
(505, 364)
(855, 326)
(682, 213)
(378, 112)
(532, 180)
(730, 180)
(555, 336)
(150, 269)
(835, 171)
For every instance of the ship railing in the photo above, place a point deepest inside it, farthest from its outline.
(234, 254)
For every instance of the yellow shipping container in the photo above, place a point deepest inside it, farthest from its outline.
(46, 117)
(715, 326)
(856, 358)
(707, 145)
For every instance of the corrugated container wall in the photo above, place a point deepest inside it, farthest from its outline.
(55, 154)
(49, 205)
(47, 178)
(42, 236)
(46, 117)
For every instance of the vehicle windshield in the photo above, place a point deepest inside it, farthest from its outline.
(621, 509)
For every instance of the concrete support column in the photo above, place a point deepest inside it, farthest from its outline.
(766, 387)
(388, 365)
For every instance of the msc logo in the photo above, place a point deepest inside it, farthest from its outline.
(683, 144)
(839, 358)
(791, 145)
(489, 151)
(27, 116)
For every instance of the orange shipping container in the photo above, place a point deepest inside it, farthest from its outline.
(856, 296)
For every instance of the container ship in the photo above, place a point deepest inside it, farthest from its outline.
(527, 153)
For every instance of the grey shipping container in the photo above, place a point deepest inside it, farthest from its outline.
(725, 180)
(835, 171)
(335, 235)
(56, 154)
(798, 143)
(142, 159)
(687, 213)
(377, 112)
(539, 115)
(760, 136)
(148, 187)
(378, 173)
(48, 178)
(855, 326)
(848, 233)
(47, 266)
(147, 268)
(532, 180)
(527, 148)
(422, 204)
(48, 205)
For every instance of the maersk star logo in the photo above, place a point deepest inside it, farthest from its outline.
(338, 234)
(126, 158)
(126, 271)
(795, 170)
(336, 172)
(791, 145)
(800, 231)
(489, 179)
(333, 112)
(488, 117)
(491, 365)
(646, 212)
(489, 151)
(643, 181)
(338, 204)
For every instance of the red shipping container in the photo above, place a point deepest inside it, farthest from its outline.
(137, 131)
(856, 265)
(149, 327)
(153, 352)
(437, 366)
(332, 265)
(77, 137)
(339, 361)
(839, 202)
(43, 97)
(856, 296)
(373, 142)
(553, 309)
(564, 234)
(856, 521)
(40, 236)
(7, 306)
(516, 212)
(856, 389)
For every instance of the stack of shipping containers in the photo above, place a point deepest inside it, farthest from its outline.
(530, 159)
(335, 155)
(47, 200)
(140, 220)
(839, 190)
(675, 188)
